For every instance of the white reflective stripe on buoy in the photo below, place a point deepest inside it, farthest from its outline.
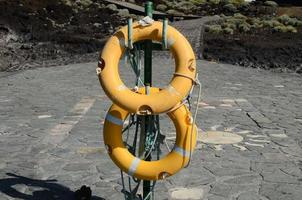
(181, 151)
(170, 42)
(114, 120)
(133, 166)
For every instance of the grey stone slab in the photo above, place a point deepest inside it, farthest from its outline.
(215, 197)
(103, 189)
(279, 176)
(77, 166)
(275, 157)
(284, 142)
(194, 176)
(28, 165)
(258, 117)
(281, 191)
(244, 180)
(293, 151)
(245, 105)
(219, 171)
(227, 191)
(107, 171)
(236, 159)
(250, 196)
(268, 166)
(293, 170)
(273, 131)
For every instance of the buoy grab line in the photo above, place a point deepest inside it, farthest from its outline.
(199, 85)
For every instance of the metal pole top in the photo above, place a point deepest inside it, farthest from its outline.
(149, 8)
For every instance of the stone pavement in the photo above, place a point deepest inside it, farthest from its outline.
(51, 135)
(193, 30)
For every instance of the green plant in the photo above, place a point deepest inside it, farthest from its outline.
(237, 2)
(224, 2)
(244, 27)
(123, 12)
(82, 4)
(184, 6)
(299, 23)
(271, 3)
(239, 16)
(229, 25)
(243, 24)
(174, 12)
(235, 21)
(253, 21)
(291, 29)
(213, 29)
(214, 2)
(67, 2)
(280, 29)
(285, 29)
(256, 26)
(244, 5)
(161, 7)
(228, 31)
(287, 20)
(230, 8)
(271, 23)
(198, 2)
(169, 4)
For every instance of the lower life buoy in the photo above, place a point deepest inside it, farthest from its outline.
(150, 170)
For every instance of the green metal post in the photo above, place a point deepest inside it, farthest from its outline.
(148, 82)
(148, 49)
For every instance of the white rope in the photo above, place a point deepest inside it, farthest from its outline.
(152, 190)
(139, 65)
(138, 78)
(146, 21)
(198, 83)
(195, 82)
(154, 141)
(128, 131)
(167, 145)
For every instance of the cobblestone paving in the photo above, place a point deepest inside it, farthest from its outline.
(51, 141)
(192, 30)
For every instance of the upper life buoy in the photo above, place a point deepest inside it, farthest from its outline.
(167, 98)
(150, 170)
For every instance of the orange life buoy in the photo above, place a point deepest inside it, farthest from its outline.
(178, 88)
(150, 170)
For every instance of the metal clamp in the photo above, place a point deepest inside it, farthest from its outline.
(164, 34)
(130, 42)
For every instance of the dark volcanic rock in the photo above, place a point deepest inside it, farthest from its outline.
(38, 31)
(261, 49)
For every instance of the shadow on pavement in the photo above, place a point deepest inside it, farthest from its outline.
(42, 189)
